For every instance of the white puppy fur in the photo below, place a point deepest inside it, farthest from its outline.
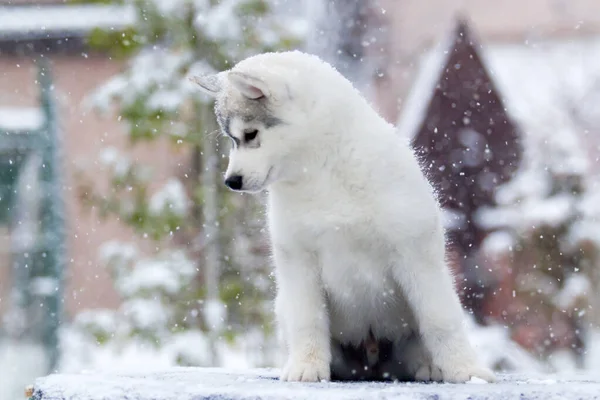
(355, 226)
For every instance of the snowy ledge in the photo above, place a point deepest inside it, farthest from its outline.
(209, 383)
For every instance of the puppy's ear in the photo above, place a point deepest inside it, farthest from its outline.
(210, 84)
(251, 87)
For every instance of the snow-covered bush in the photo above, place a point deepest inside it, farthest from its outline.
(547, 222)
(195, 276)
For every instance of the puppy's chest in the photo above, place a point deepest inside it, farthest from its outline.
(318, 215)
(351, 283)
(353, 267)
(361, 293)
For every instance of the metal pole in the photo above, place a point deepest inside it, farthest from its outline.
(53, 213)
(210, 209)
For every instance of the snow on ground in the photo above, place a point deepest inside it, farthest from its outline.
(137, 372)
(20, 363)
(198, 383)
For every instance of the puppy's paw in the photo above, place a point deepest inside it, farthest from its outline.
(461, 374)
(428, 372)
(419, 366)
(458, 363)
(313, 370)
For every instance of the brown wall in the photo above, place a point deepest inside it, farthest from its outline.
(84, 134)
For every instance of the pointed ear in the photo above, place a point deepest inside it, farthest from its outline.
(251, 87)
(210, 84)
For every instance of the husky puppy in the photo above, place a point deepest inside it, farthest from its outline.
(363, 289)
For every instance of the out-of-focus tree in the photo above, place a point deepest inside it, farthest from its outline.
(548, 223)
(352, 36)
(196, 228)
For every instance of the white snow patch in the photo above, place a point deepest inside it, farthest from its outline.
(214, 313)
(477, 381)
(167, 272)
(117, 252)
(453, 219)
(155, 72)
(584, 230)
(216, 22)
(98, 320)
(576, 286)
(498, 242)
(16, 119)
(193, 347)
(147, 314)
(171, 197)
(21, 361)
(166, 100)
(528, 213)
(49, 19)
(82, 353)
(151, 275)
(494, 347)
(542, 81)
(543, 381)
(429, 69)
(550, 212)
(113, 159)
(44, 286)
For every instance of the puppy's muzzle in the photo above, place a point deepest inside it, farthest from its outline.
(234, 182)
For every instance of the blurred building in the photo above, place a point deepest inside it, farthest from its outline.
(31, 31)
(414, 27)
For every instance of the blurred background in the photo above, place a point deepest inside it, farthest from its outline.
(120, 247)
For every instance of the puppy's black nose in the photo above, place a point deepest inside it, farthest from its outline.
(234, 182)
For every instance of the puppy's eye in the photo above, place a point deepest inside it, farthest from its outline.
(250, 135)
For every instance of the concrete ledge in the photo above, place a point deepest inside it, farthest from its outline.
(213, 384)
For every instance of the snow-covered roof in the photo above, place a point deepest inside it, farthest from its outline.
(542, 84)
(51, 20)
(429, 69)
(16, 119)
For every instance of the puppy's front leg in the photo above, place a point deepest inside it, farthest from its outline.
(302, 312)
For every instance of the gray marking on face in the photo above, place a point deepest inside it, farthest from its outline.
(268, 121)
(248, 111)
(252, 110)
(236, 141)
(223, 120)
(271, 121)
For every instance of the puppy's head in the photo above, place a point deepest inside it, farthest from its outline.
(257, 111)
